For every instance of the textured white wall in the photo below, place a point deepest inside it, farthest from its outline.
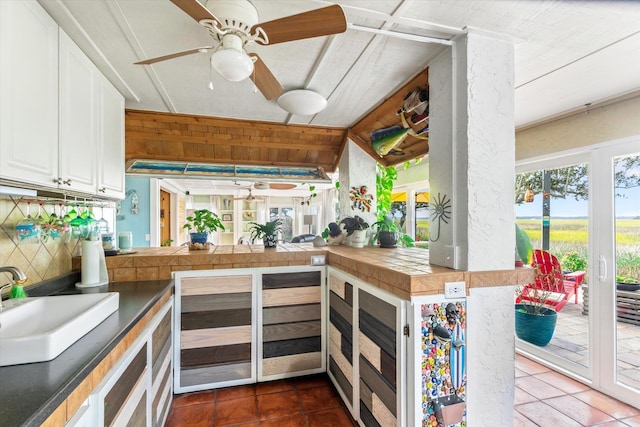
(356, 168)
(490, 356)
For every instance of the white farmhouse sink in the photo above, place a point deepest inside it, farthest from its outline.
(40, 328)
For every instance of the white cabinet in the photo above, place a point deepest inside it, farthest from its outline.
(77, 151)
(61, 121)
(28, 94)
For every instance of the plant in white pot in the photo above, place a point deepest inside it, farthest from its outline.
(202, 222)
(356, 227)
(268, 232)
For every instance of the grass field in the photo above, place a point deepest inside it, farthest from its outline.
(571, 235)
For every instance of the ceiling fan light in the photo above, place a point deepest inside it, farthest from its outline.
(303, 102)
(232, 64)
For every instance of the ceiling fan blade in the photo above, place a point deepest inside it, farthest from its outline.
(265, 80)
(281, 186)
(315, 23)
(194, 9)
(202, 49)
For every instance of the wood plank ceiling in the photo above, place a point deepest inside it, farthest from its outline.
(168, 136)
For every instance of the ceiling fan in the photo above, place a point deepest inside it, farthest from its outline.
(261, 185)
(233, 24)
(250, 197)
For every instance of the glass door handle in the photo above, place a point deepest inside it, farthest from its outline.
(602, 268)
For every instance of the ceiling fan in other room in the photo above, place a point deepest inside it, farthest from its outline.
(250, 197)
(233, 24)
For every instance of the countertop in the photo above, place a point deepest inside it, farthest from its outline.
(30, 392)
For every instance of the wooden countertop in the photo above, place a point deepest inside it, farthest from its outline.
(405, 272)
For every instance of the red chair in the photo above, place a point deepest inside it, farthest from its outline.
(556, 288)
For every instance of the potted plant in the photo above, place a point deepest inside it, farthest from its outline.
(333, 234)
(202, 222)
(386, 233)
(536, 321)
(356, 228)
(267, 232)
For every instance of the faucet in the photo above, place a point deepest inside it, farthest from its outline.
(15, 272)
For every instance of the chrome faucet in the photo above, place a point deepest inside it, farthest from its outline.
(15, 272)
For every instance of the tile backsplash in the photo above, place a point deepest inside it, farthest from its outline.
(39, 261)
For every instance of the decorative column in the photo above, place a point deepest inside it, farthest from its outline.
(357, 169)
(472, 158)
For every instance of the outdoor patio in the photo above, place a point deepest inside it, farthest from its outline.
(570, 341)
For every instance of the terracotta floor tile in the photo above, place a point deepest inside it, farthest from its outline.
(336, 417)
(194, 398)
(537, 388)
(529, 366)
(614, 423)
(522, 396)
(314, 399)
(578, 410)
(235, 411)
(561, 382)
(236, 392)
(273, 387)
(607, 404)
(297, 420)
(278, 405)
(310, 381)
(520, 420)
(521, 373)
(544, 415)
(634, 421)
(200, 415)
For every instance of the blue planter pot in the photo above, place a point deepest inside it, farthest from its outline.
(535, 328)
(199, 238)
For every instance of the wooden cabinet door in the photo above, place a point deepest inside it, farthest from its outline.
(28, 94)
(78, 119)
(214, 330)
(110, 164)
(291, 339)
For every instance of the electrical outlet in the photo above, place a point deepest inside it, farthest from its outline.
(317, 260)
(454, 290)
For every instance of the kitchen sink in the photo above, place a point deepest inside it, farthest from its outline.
(38, 329)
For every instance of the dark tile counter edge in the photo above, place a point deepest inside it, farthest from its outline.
(19, 411)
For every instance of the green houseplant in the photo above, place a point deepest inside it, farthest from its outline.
(386, 232)
(268, 232)
(356, 228)
(202, 222)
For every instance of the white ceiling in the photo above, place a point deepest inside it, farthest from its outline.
(568, 53)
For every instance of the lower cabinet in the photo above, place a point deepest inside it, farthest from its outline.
(138, 390)
(240, 326)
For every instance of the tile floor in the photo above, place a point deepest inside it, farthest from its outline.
(542, 398)
(298, 402)
(546, 398)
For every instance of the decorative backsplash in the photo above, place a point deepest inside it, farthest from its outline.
(39, 261)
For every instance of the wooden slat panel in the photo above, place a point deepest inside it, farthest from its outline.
(341, 380)
(160, 336)
(347, 348)
(291, 280)
(215, 355)
(382, 413)
(369, 350)
(336, 286)
(381, 310)
(378, 385)
(215, 337)
(343, 364)
(191, 303)
(366, 395)
(214, 374)
(290, 347)
(292, 313)
(341, 307)
(215, 319)
(158, 396)
(367, 417)
(348, 293)
(294, 296)
(388, 367)
(379, 333)
(287, 331)
(215, 285)
(157, 364)
(139, 417)
(294, 363)
(120, 391)
(341, 325)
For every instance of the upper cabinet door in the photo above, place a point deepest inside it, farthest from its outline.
(78, 119)
(110, 140)
(28, 93)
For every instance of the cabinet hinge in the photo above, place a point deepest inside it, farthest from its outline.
(406, 329)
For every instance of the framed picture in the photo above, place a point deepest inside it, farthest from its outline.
(227, 217)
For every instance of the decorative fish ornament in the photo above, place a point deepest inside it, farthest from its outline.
(384, 145)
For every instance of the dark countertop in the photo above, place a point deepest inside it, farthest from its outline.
(30, 393)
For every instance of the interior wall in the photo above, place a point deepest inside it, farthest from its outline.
(138, 224)
(608, 121)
